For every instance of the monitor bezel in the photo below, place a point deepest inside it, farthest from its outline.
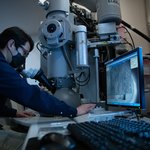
(141, 78)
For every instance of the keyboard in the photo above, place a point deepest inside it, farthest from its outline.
(113, 134)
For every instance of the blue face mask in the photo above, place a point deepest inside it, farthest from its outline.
(17, 60)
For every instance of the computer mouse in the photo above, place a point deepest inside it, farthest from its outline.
(57, 141)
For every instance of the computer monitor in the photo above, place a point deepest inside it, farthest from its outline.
(125, 81)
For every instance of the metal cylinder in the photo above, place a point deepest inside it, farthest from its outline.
(59, 5)
(81, 46)
(97, 74)
(108, 11)
(56, 64)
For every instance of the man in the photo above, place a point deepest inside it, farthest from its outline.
(15, 46)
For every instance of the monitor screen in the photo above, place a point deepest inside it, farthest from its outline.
(124, 80)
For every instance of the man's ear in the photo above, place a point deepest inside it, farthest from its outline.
(11, 44)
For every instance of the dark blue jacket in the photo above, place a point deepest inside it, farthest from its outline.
(16, 88)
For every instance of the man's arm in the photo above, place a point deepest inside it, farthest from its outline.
(16, 88)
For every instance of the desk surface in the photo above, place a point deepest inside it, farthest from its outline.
(43, 125)
(37, 131)
(10, 139)
(38, 120)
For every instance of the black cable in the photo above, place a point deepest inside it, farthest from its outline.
(130, 36)
(37, 46)
(85, 81)
(132, 45)
(67, 58)
(135, 30)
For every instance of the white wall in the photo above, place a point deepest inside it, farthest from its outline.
(148, 13)
(134, 13)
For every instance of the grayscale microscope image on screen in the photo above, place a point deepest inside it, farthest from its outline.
(123, 82)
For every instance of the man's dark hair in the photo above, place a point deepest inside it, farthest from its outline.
(18, 35)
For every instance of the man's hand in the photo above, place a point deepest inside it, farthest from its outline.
(84, 108)
(25, 114)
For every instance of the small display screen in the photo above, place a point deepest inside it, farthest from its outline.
(124, 80)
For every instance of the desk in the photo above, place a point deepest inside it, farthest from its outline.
(17, 138)
(39, 120)
(10, 139)
(38, 131)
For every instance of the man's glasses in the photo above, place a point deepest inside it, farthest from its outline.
(25, 52)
